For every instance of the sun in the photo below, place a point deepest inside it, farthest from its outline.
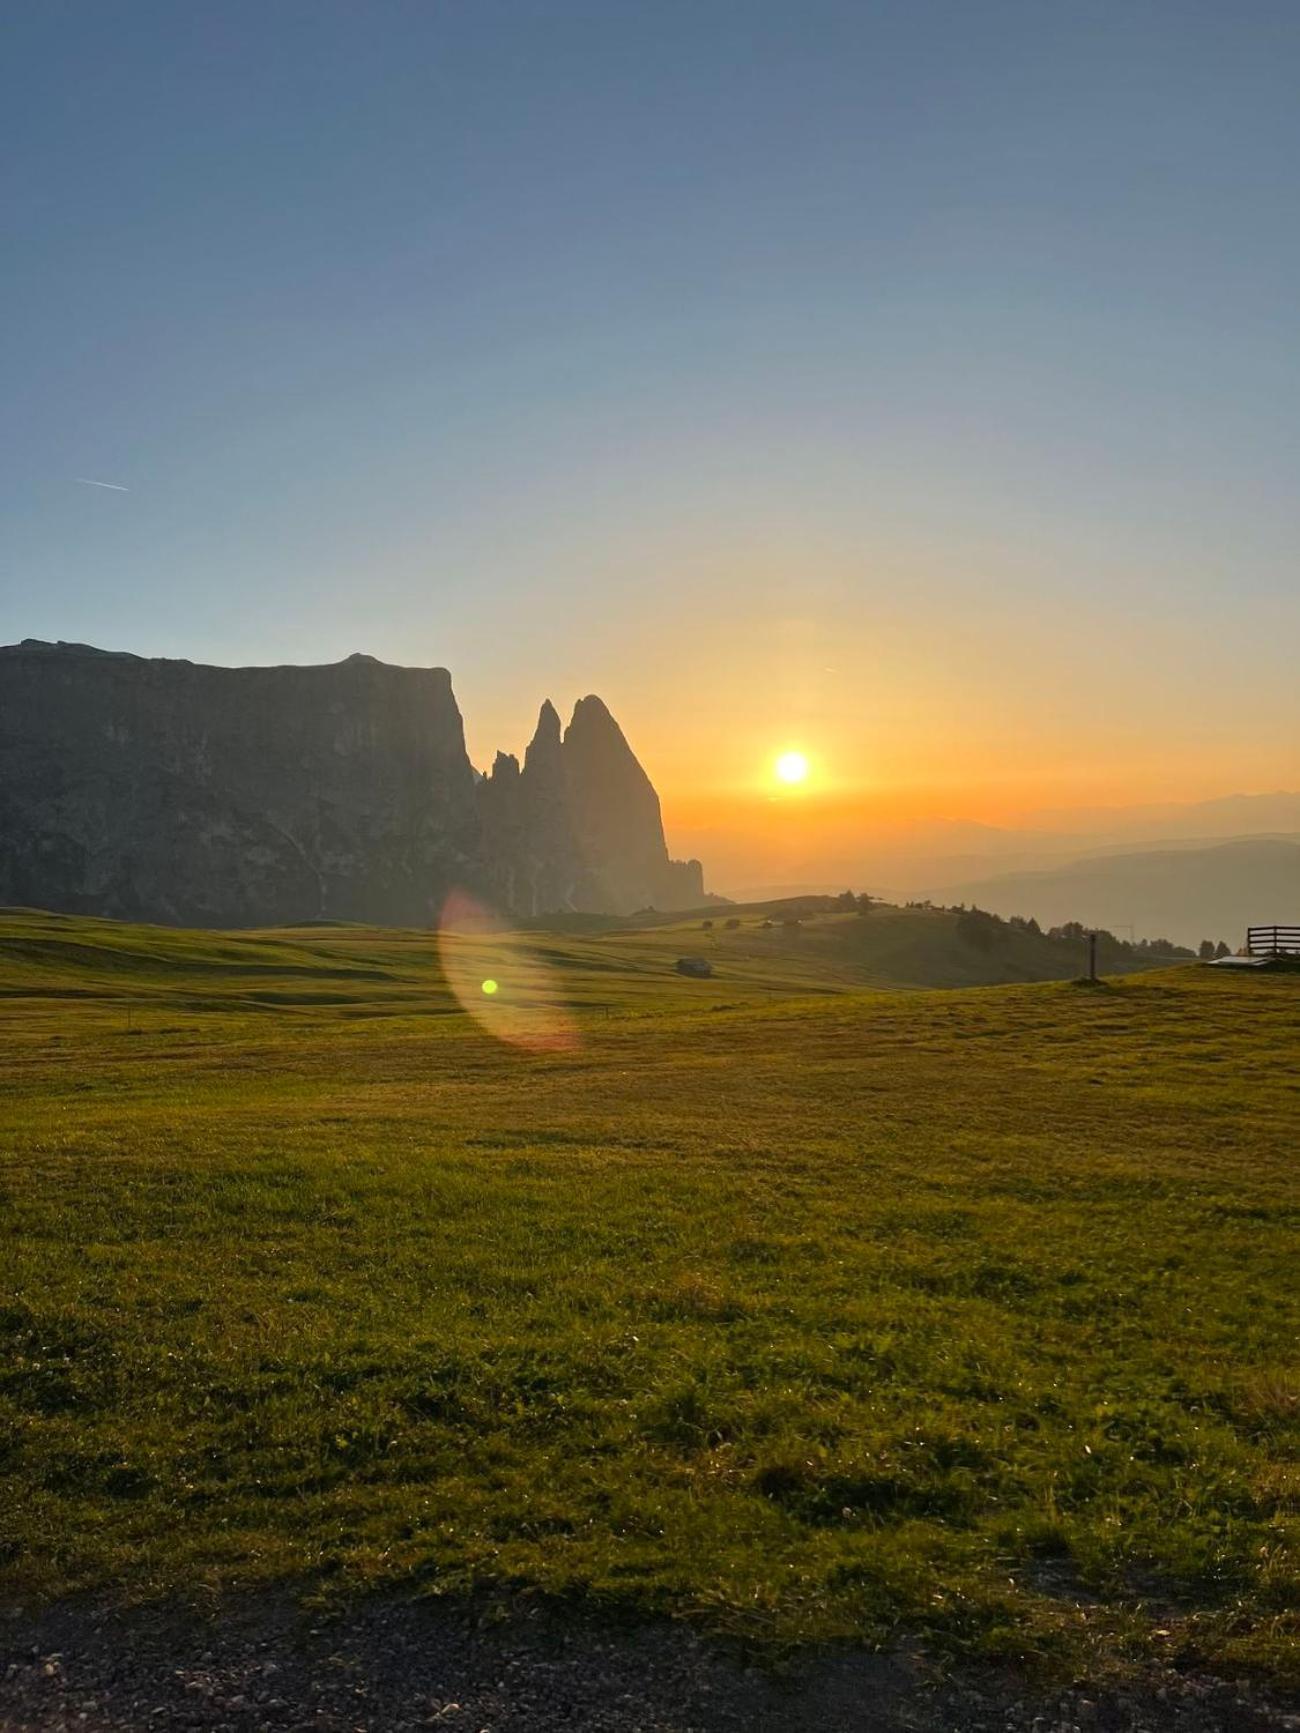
(791, 767)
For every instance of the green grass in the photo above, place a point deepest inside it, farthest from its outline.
(968, 1314)
(604, 965)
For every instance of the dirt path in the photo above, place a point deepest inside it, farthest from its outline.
(388, 1666)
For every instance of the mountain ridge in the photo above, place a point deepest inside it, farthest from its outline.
(1174, 891)
(165, 789)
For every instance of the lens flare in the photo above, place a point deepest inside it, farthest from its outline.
(502, 979)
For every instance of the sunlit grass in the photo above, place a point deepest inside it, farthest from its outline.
(972, 1314)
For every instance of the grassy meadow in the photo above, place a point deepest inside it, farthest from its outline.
(811, 1301)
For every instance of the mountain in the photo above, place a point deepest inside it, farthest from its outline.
(578, 827)
(169, 791)
(1181, 893)
(1227, 817)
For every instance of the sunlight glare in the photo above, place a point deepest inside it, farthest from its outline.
(791, 767)
(502, 978)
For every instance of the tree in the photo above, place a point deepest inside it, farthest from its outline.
(1205, 950)
(1162, 948)
(1071, 930)
(1221, 950)
(863, 903)
(846, 901)
(979, 928)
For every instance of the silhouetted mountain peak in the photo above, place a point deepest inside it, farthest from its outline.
(592, 711)
(595, 745)
(543, 759)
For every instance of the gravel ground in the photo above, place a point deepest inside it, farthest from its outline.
(389, 1665)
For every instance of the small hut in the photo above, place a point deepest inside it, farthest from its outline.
(699, 967)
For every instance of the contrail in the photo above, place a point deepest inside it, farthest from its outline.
(116, 486)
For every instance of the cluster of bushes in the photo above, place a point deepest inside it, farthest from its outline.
(984, 930)
(854, 902)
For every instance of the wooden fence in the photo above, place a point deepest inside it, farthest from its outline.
(1272, 941)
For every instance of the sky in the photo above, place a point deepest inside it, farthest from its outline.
(913, 385)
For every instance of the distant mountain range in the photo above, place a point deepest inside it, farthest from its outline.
(924, 857)
(1229, 816)
(1057, 874)
(1185, 892)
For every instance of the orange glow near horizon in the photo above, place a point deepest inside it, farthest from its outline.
(932, 693)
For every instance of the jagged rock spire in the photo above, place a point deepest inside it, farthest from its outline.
(582, 829)
(544, 747)
(614, 805)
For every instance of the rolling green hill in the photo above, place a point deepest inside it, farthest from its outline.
(807, 1309)
(775, 949)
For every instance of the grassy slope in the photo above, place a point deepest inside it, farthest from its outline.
(625, 968)
(969, 1313)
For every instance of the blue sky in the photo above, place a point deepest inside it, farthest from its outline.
(773, 369)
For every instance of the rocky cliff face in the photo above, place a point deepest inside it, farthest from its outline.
(169, 791)
(230, 796)
(579, 826)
